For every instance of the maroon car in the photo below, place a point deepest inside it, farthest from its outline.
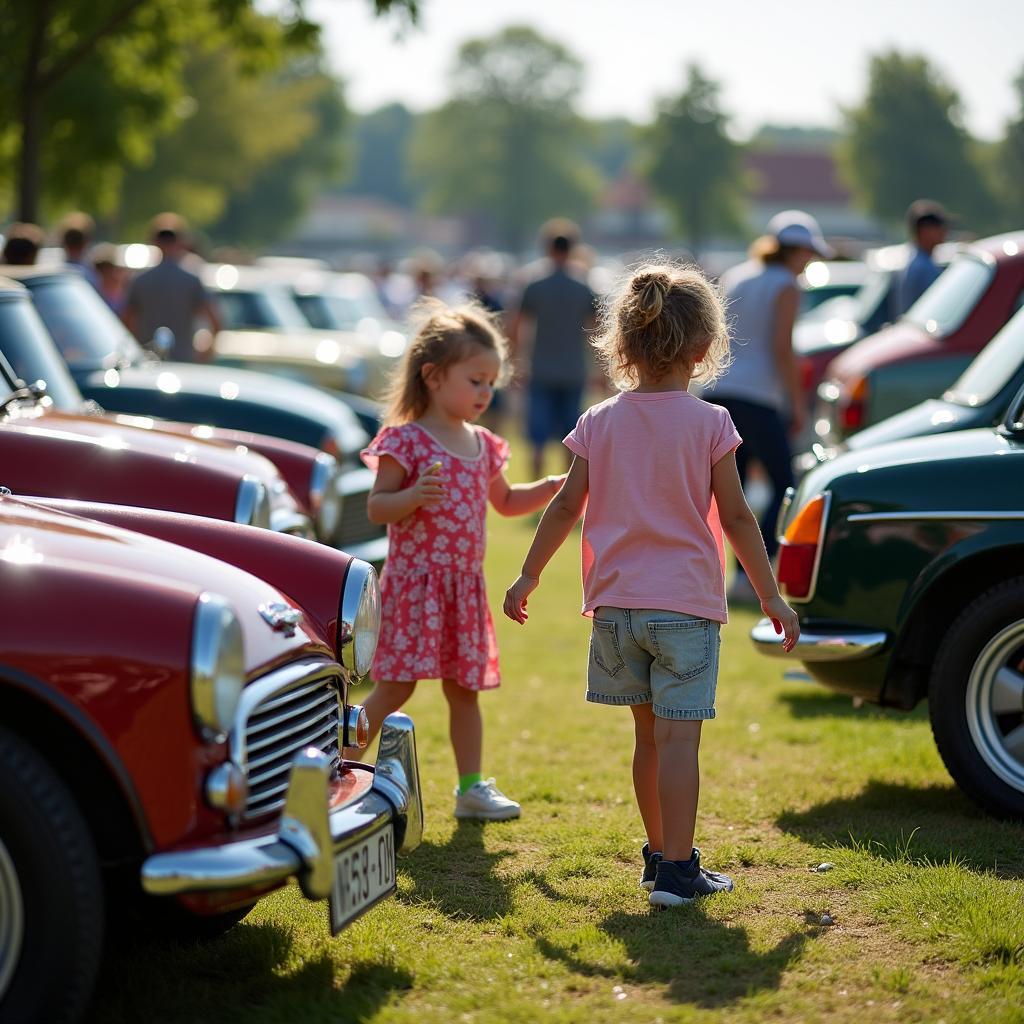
(924, 352)
(171, 731)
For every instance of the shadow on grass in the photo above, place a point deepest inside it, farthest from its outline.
(458, 877)
(702, 961)
(937, 822)
(817, 703)
(245, 974)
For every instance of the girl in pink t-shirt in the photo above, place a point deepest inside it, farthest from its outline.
(651, 465)
(436, 471)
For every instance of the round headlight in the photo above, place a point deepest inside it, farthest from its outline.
(325, 469)
(217, 667)
(328, 515)
(252, 505)
(359, 622)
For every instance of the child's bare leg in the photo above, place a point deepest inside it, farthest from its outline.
(678, 741)
(385, 698)
(465, 726)
(645, 774)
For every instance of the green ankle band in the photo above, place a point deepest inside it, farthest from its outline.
(465, 781)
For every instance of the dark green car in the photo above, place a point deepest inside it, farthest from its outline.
(906, 564)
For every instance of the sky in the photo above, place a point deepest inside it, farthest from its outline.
(794, 62)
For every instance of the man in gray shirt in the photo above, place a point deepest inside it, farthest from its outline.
(168, 295)
(560, 308)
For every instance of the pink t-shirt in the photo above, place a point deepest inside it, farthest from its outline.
(651, 537)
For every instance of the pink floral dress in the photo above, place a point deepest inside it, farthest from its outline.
(436, 621)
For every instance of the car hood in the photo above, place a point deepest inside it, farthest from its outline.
(146, 434)
(964, 444)
(934, 416)
(38, 538)
(217, 382)
(892, 344)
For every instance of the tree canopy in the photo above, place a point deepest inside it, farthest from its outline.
(906, 140)
(693, 163)
(505, 147)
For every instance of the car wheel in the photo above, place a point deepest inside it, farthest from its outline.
(51, 894)
(976, 699)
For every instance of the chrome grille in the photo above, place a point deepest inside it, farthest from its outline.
(281, 714)
(355, 527)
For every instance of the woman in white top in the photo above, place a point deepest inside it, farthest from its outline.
(761, 389)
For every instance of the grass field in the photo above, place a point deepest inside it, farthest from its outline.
(542, 919)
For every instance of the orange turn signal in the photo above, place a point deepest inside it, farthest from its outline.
(806, 527)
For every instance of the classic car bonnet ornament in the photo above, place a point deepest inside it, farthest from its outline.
(281, 618)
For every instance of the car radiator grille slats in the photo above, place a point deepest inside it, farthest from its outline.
(355, 527)
(303, 712)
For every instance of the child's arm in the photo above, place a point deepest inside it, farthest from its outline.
(389, 502)
(559, 518)
(521, 499)
(744, 535)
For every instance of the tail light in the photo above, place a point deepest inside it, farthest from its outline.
(800, 549)
(854, 411)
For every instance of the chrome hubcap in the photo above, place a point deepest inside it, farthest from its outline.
(12, 920)
(995, 705)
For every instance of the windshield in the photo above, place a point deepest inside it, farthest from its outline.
(30, 350)
(269, 308)
(947, 303)
(993, 367)
(337, 312)
(87, 332)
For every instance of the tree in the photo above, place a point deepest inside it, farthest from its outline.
(506, 147)
(90, 85)
(1009, 163)
(381, 141)
(693, 163)
(218, 152)
(907, 140)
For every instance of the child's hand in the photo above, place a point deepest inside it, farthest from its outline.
(515, 598)
(784, 619)
(429, 489)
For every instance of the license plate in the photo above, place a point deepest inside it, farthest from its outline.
(363, 874)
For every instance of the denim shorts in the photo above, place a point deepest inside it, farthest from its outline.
(646, 656)
(552, 410)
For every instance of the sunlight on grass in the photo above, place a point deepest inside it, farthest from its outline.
(542, 919)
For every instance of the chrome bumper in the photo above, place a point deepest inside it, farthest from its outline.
(842, 645)
(308, 837)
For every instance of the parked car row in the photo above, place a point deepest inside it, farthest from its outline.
(177, 653)
(903, 544)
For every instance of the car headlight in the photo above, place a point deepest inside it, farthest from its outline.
(252, 504)
(331, 500)
(359, 621)
(217, 667)
(325, 469)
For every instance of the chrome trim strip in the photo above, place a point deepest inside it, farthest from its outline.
(787, 501)
(301, 845)
(882, 517)
(842, 645)
(325, 467)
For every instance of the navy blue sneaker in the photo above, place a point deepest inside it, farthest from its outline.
(677, 882)
(651, 862)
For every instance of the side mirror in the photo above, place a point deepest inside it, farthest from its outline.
(163, 341)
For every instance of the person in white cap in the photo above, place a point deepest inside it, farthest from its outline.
(761, 389)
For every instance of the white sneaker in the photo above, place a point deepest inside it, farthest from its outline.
(485, 802)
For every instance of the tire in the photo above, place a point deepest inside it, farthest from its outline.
(51, 893)
(976, 699)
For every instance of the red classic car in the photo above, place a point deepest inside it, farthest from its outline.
(171, 728)
(51, 454)
(924, 352)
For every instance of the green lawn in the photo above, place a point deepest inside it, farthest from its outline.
(542, 919)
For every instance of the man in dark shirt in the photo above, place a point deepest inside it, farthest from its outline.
(928, 224)
(560, 309)
(168, 295)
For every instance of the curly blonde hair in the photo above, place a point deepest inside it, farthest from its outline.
(663, 316)
(444, 335)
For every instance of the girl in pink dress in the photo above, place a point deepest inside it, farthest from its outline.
(436, 471)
